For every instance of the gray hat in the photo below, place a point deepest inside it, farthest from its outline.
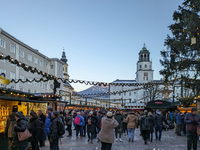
(194, 109)
(50, 109)
(91, 112)
(109, 114)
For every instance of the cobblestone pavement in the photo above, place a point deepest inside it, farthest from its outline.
(169, 141)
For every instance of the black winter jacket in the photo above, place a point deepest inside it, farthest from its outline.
(21, 126)
(43, 118)
(69, 120)
(158, 119)
(36, 130)
(99, 121)
(92, 127)
(54, 129)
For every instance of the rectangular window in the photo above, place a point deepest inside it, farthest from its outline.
(130, 93)
(35, 60)
(134, 92)
(41, 63)
(21, 77)
(41, 84)
(46, 85)
(119, 94)
(51, 66)
(35, 91)
(21, 89)
(12, 48)
(29, 57)
(35, 83)
(12, 87)
(124, 93)
(29, 91)
(51, 86)
(12, 75)
(29, 82)
(21, 52)
(2, 71)
(3, 43)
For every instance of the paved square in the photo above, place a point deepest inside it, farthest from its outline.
(169, 141)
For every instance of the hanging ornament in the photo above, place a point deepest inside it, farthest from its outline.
(193, 40)
(178, 20)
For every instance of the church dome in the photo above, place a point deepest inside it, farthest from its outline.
(144, 50)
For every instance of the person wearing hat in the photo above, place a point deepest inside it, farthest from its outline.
(158, 119)
(192, 121)
(106, 135)
(48, 121)
(118, 129)
(20, 126)
(91, 126)
(9, 129)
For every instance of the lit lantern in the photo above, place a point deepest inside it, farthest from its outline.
(193, 40)
(178, 20)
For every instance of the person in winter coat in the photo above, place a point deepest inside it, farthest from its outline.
(179, 123)
(132, 122)
(91, 126)
(145, 125)
(79, 123)
(84, 127)
(69, 120)
(48, 121)
(9, 129)
(42, 119)
(36, 130)
(20, 126)
(158, 119)
(106, 135)
(124, 125)
(183, 124)
(118, 129)
(99, 117)
(53, 135)
(62, 116)
(151, 126)
(192, 121)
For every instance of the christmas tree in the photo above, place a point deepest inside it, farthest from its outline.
(181, 61)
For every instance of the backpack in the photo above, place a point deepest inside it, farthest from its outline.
(60, 127)
(77, 120)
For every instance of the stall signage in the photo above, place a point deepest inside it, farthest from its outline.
(3, 79)
(158, 102)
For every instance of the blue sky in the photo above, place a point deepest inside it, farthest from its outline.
(102, 38)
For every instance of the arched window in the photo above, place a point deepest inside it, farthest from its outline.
(145, 57)
(140, 66)
(149, 66)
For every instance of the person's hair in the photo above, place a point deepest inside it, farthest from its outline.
(150, 114)
(78, 113)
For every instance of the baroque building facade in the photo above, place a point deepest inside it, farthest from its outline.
(9, 45)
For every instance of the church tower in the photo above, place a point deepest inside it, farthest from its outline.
(65, 66)
(144, 72)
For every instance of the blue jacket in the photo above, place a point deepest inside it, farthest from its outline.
(47, 124)
(178, 119)
(171, 115)
(82, 123)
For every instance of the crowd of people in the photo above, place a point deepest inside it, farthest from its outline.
(106, 126)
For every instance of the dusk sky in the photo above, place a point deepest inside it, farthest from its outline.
(102, 38)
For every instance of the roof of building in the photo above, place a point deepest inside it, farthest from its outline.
(131, 81)
(124, 81)
(67, 84)
(144, 50)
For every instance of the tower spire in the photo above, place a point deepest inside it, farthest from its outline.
(64, 59)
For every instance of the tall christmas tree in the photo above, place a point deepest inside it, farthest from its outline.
(181, 61)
